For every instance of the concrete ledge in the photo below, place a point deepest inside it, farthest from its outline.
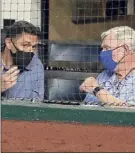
(37, 111)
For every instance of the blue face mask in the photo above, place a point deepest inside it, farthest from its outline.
(107, 61)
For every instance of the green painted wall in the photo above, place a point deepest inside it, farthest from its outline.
(68, 114)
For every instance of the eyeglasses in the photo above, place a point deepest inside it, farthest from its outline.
(120, 47)
(109, 48)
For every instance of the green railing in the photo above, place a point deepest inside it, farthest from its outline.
(20, 110)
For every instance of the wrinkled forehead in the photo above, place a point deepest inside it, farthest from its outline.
(23, 38)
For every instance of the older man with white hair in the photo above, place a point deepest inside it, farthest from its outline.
(115, 85)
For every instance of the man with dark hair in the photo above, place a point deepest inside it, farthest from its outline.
(22, 73)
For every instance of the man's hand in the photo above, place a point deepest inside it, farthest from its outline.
(9, 78)
(89, 84)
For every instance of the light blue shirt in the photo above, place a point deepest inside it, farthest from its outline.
(30, 84)
(124, 89)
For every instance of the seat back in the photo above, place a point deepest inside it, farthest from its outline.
(71, 56)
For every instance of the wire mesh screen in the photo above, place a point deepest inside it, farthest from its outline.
(68, 51)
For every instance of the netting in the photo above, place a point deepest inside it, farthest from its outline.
(53, 51)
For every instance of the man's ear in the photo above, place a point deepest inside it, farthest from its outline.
(8, 43)
(128, 48)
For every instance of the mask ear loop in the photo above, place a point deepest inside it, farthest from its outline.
(14, 45)
(124, 55)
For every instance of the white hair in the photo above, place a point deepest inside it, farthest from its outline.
(122, 33)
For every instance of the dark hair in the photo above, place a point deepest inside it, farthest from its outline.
(20, 27)
(3, 37)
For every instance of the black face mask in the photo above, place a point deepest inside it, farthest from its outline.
(21, 58)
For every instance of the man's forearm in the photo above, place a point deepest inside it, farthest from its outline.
(105, 97)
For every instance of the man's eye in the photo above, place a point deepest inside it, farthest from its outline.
(26, 45)
(35, 47)
(107, 48)
(104, 49)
